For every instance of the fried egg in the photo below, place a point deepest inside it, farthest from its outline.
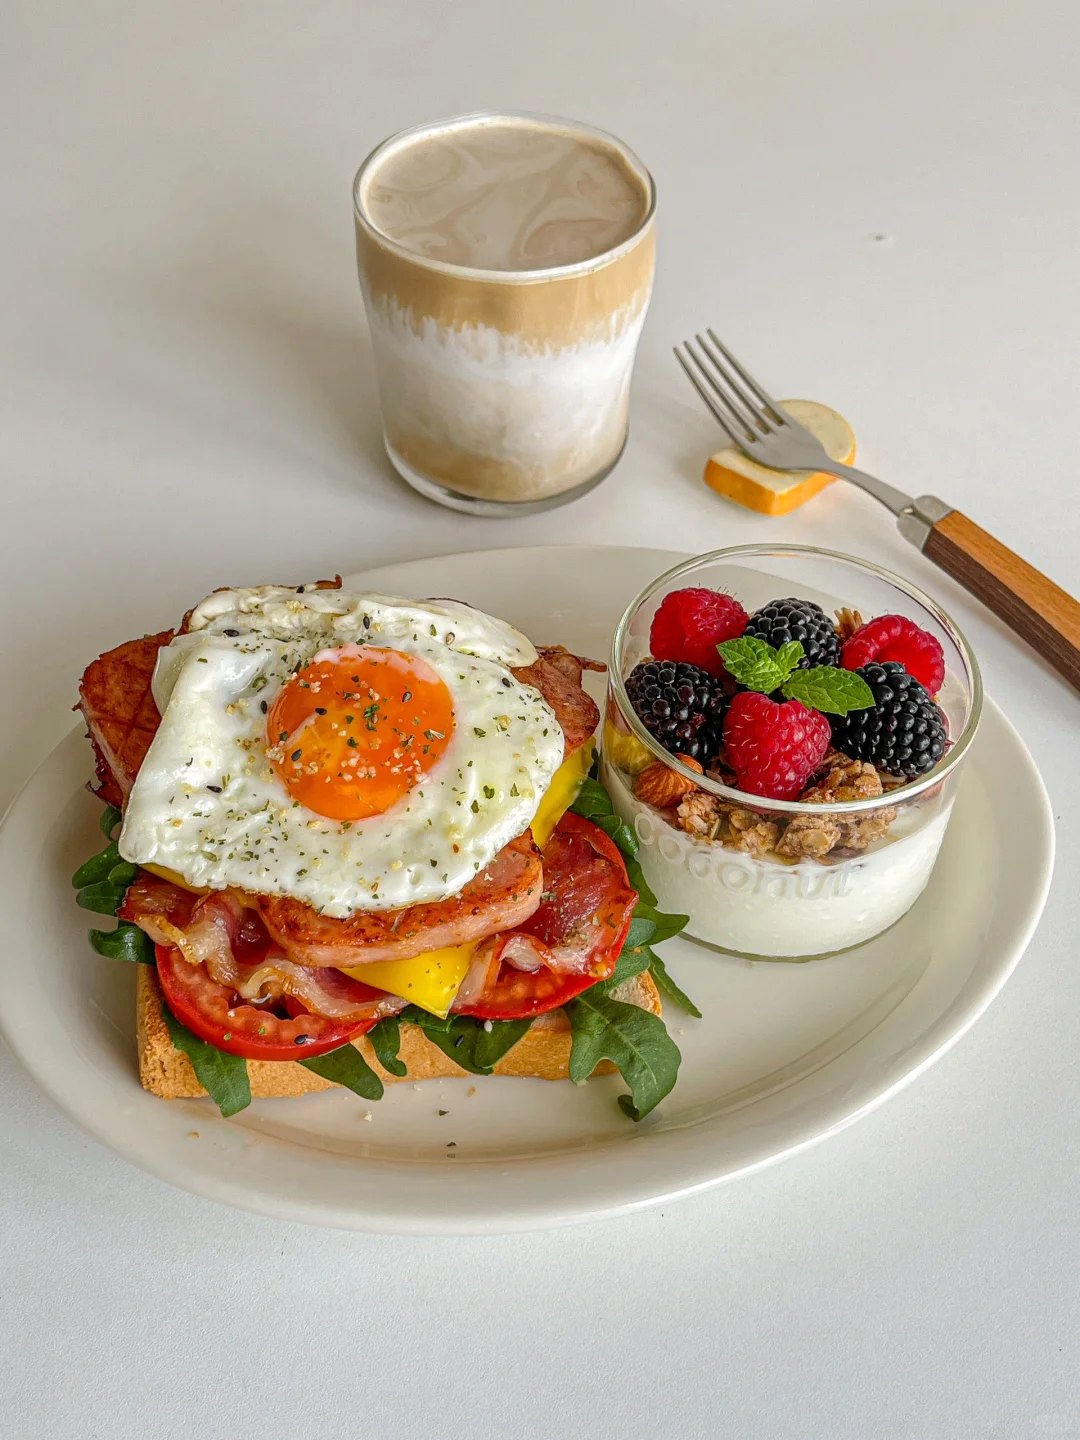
(356, 752)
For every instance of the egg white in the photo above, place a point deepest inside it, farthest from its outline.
(208, 805)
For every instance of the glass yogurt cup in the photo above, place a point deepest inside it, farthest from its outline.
(775, 879)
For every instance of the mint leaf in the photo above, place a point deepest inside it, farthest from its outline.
(223, 1077)
(666, 985)
(752, 663)
(103, 898)
(98, 867)
(824, 687)
(346, 1066)
(789, 655)
(757, 665)
(385, 1040)
(635, 1039)
(126, 942)
(110, 818)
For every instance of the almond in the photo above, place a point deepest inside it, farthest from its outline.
(662, 787)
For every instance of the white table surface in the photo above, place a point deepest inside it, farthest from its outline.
(877, 204)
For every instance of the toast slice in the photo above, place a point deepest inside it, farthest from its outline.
(542, 1053)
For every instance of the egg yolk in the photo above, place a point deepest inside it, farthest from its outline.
(357, 728)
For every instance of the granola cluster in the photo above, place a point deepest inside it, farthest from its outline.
(804, 837)
(707, 818)
(813, 837)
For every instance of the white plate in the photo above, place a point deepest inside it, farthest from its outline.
(785, 1055)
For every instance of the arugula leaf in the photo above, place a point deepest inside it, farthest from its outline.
(635, 1039)
(666, 985)
(648, 925)
(629, 964)
(592, 800)
(110, 818)
(103, 898)
(123, 874)
(385, 1040)
(223, 1077)
(416, 1015)
(465, 1040)
(126, 942)
(98, 867)
(664, 925)
(594, 803)
(491, 1045)
(641, 931)
(347, 1067)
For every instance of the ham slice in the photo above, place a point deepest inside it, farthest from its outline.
(115, 698)
(499, 898)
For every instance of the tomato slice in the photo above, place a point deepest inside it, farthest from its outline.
(254, 1032)
(587, 905)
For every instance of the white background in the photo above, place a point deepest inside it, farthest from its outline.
(877, 204)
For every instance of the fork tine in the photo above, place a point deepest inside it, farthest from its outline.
(713, 408)
(759, 417)
(744, 422)
(762, 394)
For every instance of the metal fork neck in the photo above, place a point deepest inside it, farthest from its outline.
(895, 499)
(915, 517)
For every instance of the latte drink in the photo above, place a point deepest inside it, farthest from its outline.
(506, 263)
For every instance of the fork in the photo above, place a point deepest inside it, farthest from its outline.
(1030, 604)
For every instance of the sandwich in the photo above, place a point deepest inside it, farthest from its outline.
(353, 839)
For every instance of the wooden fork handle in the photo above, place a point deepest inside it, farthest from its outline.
(1037, 609)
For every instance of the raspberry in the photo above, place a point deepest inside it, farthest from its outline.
(691, 623)
(895, 637)
(773, 749)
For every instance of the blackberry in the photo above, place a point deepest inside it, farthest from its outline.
(792, 619)
(681, 706)
(903, 733)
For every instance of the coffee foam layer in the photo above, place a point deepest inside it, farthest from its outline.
(503, 195)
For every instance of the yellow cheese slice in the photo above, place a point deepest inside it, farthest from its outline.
(431, 980)
(777, 492)
(175, 879)
(562, 792)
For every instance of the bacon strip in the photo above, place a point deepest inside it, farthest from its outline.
(499, 898)
(557, 675)
(220, 932)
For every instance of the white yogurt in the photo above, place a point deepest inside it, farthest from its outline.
(766, 908)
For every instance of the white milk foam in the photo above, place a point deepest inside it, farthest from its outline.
(506, 195)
